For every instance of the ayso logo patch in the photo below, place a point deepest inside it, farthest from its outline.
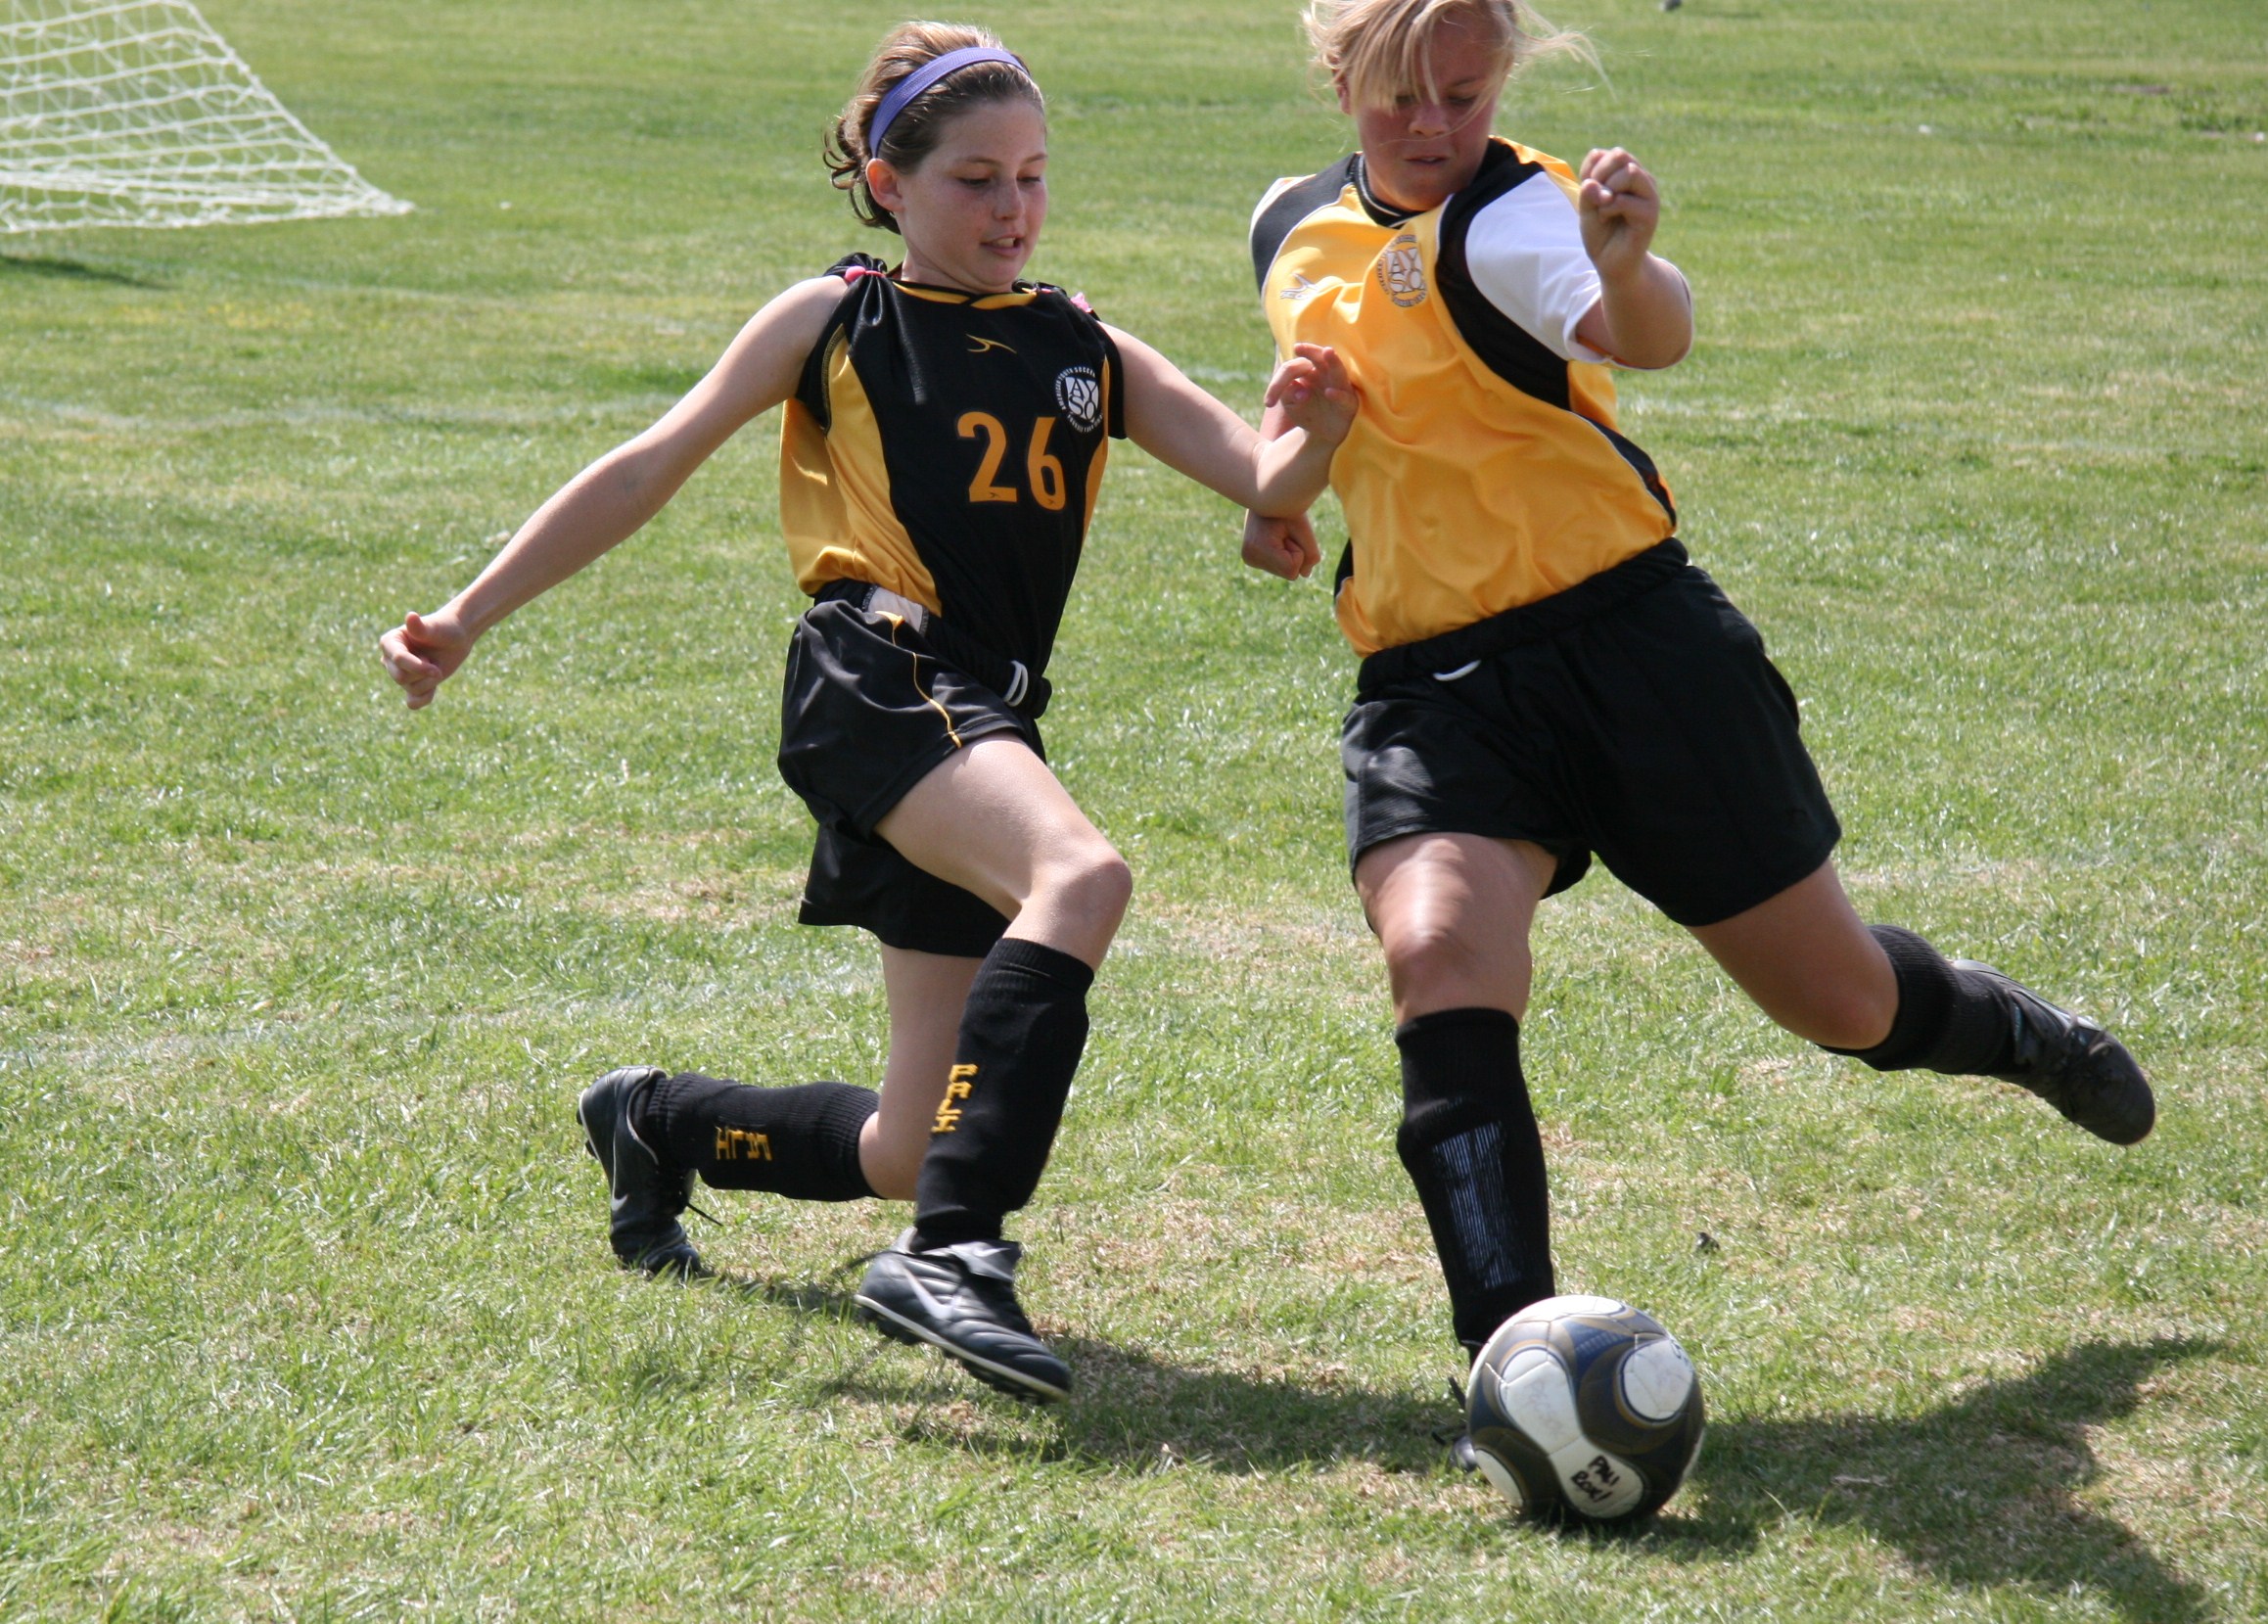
(1079, 396)
(1402, 271)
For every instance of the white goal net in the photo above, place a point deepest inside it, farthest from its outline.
(137, 112)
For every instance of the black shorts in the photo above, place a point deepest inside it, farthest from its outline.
(1654, 732)
(866, 711)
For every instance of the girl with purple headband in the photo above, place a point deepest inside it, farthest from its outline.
(945, 433)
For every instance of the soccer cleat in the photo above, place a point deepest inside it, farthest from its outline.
(644, 1196)
(963, 1299)
(1459, 1438)
(2072, 1063)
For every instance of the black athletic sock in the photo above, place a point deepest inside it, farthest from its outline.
(1021, 1036)
(1469, 1141)
(1948, 1020)
(801, 1143)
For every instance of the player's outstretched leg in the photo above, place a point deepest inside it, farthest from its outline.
(950, 1281)
(645, 1192)
(1967, 1018)
(1885, 996)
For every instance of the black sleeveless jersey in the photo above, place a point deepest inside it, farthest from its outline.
(950, 446)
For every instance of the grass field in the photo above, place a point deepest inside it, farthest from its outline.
(304, 1305)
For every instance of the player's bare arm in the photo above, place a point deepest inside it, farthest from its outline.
(1284, 547)
(1188, 431)
(1644, 314)
(615, 497)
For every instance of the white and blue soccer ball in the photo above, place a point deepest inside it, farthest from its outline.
(1584, 1405)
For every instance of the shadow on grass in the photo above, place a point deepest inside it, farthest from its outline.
(72, 271)
(1979, 1492)
(1129, 1409)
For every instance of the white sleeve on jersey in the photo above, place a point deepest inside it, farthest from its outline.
(1525, 253)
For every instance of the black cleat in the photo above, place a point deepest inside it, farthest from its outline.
(1459, 1438)
(2072, 1063)
(645, 1198)
(963, 1299)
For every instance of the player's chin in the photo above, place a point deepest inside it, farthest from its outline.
(1424, 186)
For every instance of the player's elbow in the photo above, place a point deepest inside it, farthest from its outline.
(625, 470)
(1649, 345)
(1657, 357)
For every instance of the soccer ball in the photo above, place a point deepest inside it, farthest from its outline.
(1584, 1404)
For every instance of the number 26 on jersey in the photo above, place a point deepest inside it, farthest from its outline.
(1042, 473)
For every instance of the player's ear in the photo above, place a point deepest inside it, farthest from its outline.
(882, 185)
(1345, 96)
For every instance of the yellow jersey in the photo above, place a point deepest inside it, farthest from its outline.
(1484, 469)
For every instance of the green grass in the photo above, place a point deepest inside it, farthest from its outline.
(305, 1308)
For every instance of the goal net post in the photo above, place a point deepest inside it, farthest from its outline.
(137, 112)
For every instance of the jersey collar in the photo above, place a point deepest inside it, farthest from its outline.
(1498, 150)
(1379, 212)
(1023, 293)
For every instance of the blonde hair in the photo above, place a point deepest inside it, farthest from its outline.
(916, 130)
(1378, 49)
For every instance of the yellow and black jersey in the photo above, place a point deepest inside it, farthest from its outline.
(950, 446)
(1484, 469)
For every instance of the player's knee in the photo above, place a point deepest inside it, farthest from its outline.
(1426, 962)
(1093, 882)
(1841, 1015)
(1108, 885)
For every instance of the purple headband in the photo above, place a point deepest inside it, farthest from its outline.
(920, 80)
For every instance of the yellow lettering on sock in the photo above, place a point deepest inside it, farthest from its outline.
(947, 1120)
(742, 1145)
